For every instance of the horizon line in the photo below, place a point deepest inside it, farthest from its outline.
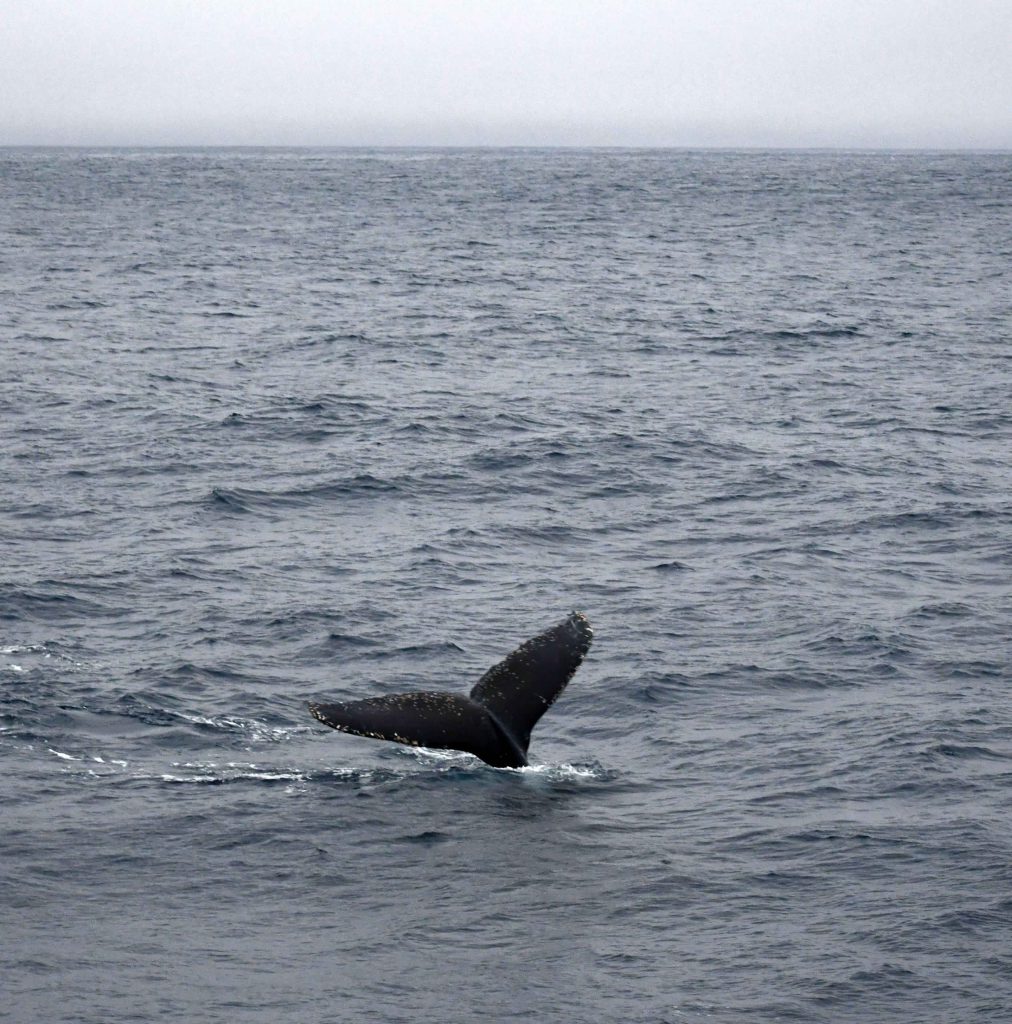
(654, 147)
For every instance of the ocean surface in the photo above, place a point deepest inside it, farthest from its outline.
(290, 425)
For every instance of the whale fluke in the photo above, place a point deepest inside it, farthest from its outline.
(495, 721)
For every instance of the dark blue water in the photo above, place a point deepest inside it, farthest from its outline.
(290, 425)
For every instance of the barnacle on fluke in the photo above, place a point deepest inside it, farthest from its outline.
(495, 721)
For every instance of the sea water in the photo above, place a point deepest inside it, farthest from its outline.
(310, 424)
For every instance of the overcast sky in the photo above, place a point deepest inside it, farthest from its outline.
(507, 72)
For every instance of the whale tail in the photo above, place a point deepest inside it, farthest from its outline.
(495, 721)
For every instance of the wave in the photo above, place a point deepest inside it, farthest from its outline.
(243, 500)
(432, 764)
(52, 601)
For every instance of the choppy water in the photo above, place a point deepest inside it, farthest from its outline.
(285, 425)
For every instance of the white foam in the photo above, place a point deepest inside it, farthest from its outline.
(230, 771)
(66, 757)
(455, 758)
(257, 731)
(25, 649)
(236, 773)
(439, 756)
(561, 771)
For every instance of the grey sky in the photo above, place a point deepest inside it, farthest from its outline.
(593, 72)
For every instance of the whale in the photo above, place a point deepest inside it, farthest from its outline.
(493, 722)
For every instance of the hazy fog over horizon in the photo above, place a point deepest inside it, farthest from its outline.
(449, 72)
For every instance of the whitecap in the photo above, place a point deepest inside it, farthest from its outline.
(232, 771)
(257, 731)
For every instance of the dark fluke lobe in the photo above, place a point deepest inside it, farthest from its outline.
(495, 721)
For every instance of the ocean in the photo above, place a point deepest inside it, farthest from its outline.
(292, 425)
